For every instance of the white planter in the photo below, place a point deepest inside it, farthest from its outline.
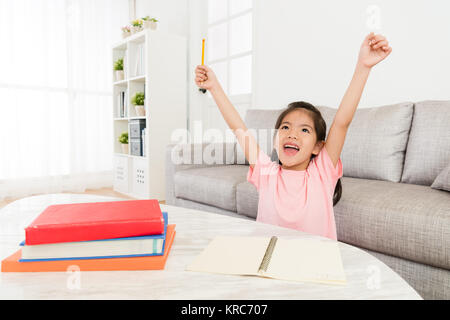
(140, 111)
(135, 29)
(125, 34)
(119, 75)
(124, 148)
(150, 25)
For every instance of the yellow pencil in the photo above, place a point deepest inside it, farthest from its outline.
(203, 52)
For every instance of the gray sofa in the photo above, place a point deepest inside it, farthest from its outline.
(395, 200)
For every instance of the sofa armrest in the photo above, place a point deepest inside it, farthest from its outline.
(195, 155)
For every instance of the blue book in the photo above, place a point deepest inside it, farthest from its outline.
(97, 249)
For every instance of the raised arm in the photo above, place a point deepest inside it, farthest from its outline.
(374, 49)
(206, 79)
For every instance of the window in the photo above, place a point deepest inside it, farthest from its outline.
(55, 89)
(229, 49)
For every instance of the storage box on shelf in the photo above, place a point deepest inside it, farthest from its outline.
(151, 60)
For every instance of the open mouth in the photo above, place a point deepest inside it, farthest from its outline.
(291, 149)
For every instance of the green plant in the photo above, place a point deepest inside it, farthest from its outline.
(137, 23)
(118, 64)
(147, 18)
(123, 138)
(138, 99)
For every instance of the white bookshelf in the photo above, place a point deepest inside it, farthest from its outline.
(163, 79)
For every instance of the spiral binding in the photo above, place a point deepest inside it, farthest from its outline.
(268, 255)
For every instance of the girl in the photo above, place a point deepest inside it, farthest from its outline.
(300, 190)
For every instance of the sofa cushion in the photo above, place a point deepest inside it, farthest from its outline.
(403, 220)
(247, 199)
(207, 208)
(376, 140)
(214, 186)
(442, 181)
(428, 151)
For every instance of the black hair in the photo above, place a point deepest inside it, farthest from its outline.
(320, 127)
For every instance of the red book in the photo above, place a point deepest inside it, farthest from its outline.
(95, 221)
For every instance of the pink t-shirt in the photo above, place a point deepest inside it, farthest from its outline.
(301, 200)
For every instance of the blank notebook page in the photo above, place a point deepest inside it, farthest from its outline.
(306, 260)
(232, 255)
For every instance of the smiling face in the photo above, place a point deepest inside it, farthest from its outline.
(296, 140)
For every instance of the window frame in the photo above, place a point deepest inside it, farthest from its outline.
(246, 98)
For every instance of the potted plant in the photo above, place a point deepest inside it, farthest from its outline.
(123, 139)
(118, 68)
(150, 23)
(136, 25)
(126, 31)
(138, 101)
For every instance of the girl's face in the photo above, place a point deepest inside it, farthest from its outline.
(296, 140)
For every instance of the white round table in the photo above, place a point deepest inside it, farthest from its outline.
(367, 277)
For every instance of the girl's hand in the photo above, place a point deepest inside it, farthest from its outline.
(374, 49)
(205, 78)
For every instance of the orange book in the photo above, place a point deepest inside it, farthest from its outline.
(12, 264)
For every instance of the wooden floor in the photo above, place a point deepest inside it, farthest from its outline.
(108, 192)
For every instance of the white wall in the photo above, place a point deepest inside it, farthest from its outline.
(307, 50)
(197, 12)
(186, 18)
(173, 17)
(172, 14)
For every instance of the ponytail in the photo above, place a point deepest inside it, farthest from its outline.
(337, 192)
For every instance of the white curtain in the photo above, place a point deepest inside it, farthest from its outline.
(56, 94)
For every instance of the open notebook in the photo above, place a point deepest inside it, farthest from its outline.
(285, 259)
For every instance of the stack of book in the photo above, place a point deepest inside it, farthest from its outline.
(117, 235)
